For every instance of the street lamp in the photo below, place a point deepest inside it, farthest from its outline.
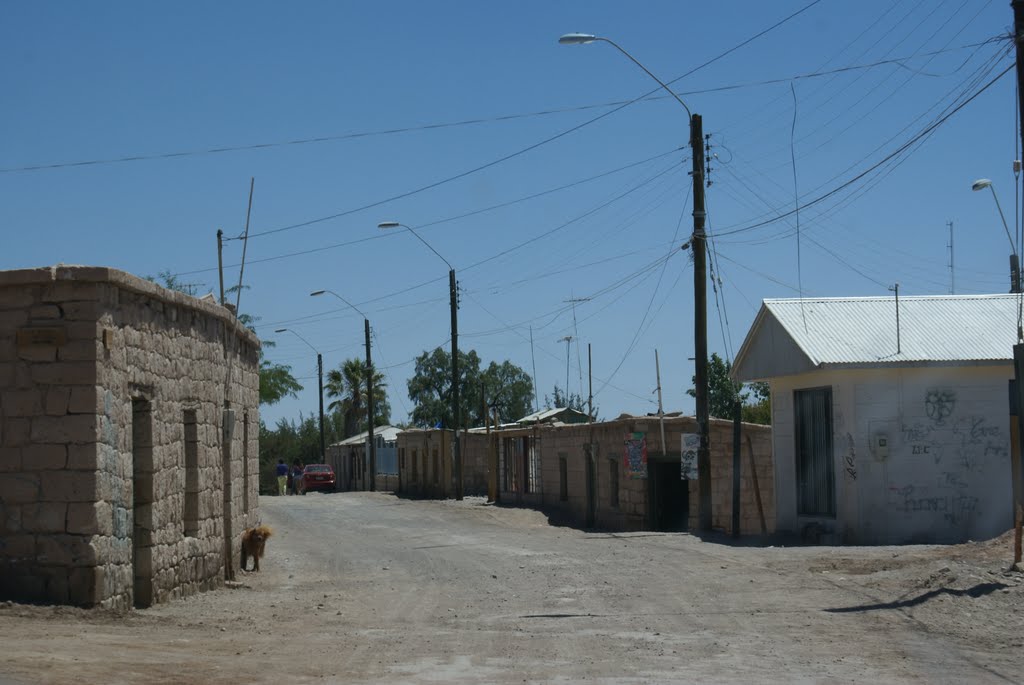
(700, 311)
(369, 387)
(453, 292)
(320, 380)
(981, 184)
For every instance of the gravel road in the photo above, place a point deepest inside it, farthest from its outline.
(367, 587)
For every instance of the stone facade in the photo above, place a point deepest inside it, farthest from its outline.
(128, 438)
(577, 470)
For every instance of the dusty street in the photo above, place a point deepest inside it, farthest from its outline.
(364, 587)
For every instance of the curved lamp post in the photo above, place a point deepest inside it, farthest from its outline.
(369, 387)
(453, 291)
(700, 312)
(981, 184)
(320, 380)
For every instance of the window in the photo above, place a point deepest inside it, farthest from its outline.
(613, 480)
(563, 479)
(191, 517)
(815, 475)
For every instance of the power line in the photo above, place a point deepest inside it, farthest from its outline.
(926, 131)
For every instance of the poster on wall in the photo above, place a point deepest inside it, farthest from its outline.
(688, 462)
(635, 456)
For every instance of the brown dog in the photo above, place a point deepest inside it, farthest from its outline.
(254, 542)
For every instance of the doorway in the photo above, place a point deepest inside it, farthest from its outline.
(668, 495)
(142, 503)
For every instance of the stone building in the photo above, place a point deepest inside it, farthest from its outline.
(128, 438)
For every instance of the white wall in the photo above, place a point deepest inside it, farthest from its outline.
(946, 477)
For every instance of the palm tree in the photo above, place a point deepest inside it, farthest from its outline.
(346, 385)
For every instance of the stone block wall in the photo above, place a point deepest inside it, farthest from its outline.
(128, 438)
(622, 503)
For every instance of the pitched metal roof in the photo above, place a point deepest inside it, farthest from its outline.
(386, 433)
(793, 335)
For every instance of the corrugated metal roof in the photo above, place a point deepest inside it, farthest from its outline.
(862, 330)
(387, 433)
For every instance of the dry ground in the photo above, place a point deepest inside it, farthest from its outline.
(366, 587)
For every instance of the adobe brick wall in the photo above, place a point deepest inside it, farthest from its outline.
(570, 442)
(106, 381)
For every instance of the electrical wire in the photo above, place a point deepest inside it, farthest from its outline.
(900, 150)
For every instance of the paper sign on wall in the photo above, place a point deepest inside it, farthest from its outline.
(635, 456)
(688, 462)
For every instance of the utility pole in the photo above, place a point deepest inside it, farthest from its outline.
(952, 273)
(896, 289)
(661, 411)
(567, 340)
(220, 263)
(536, 399)
(700, 324)
(590, 385)
(457, 453)
(371, 443)
(1018, 349)
(320, 379)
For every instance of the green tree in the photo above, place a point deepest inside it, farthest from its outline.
(723, 391)
(508, 388)
(347, 386)
(759, 410)
(561, 399)
(290, 440)
(430, 388)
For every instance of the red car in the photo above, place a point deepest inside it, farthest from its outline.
(316, 477)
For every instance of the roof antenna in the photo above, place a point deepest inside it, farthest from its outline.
(896, 289)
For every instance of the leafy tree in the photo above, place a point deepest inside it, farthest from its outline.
(290, 440)
(561, 399)
(347, 386)
(508, 388)
(760, 409)
(430, 388)
(723, 391)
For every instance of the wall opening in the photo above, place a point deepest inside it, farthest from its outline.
(190, 519)
(227, 433)
(415, 466)
(142, 502)
(437, 467)
(613, 483)
(815, 473)
(245, 464)
(668, 495)
(563, 479)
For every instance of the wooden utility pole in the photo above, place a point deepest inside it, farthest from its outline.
(220, 263)
(700, 324)
(371, 444)
(453, 287)
(1018, 349)
(590, 385)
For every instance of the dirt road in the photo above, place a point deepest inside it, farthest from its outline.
(365, 587)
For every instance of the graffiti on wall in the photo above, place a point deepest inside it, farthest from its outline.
(850, 459)
(688, 461)
(635, 456)
(956, 450)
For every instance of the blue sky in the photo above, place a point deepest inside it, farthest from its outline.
(93, 82)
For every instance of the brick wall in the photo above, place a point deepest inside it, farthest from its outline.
(622, 503)
(128, 438)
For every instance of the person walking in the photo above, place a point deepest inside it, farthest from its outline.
(295, 476)
(282, 476)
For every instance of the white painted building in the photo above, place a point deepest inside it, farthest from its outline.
(883, 436)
